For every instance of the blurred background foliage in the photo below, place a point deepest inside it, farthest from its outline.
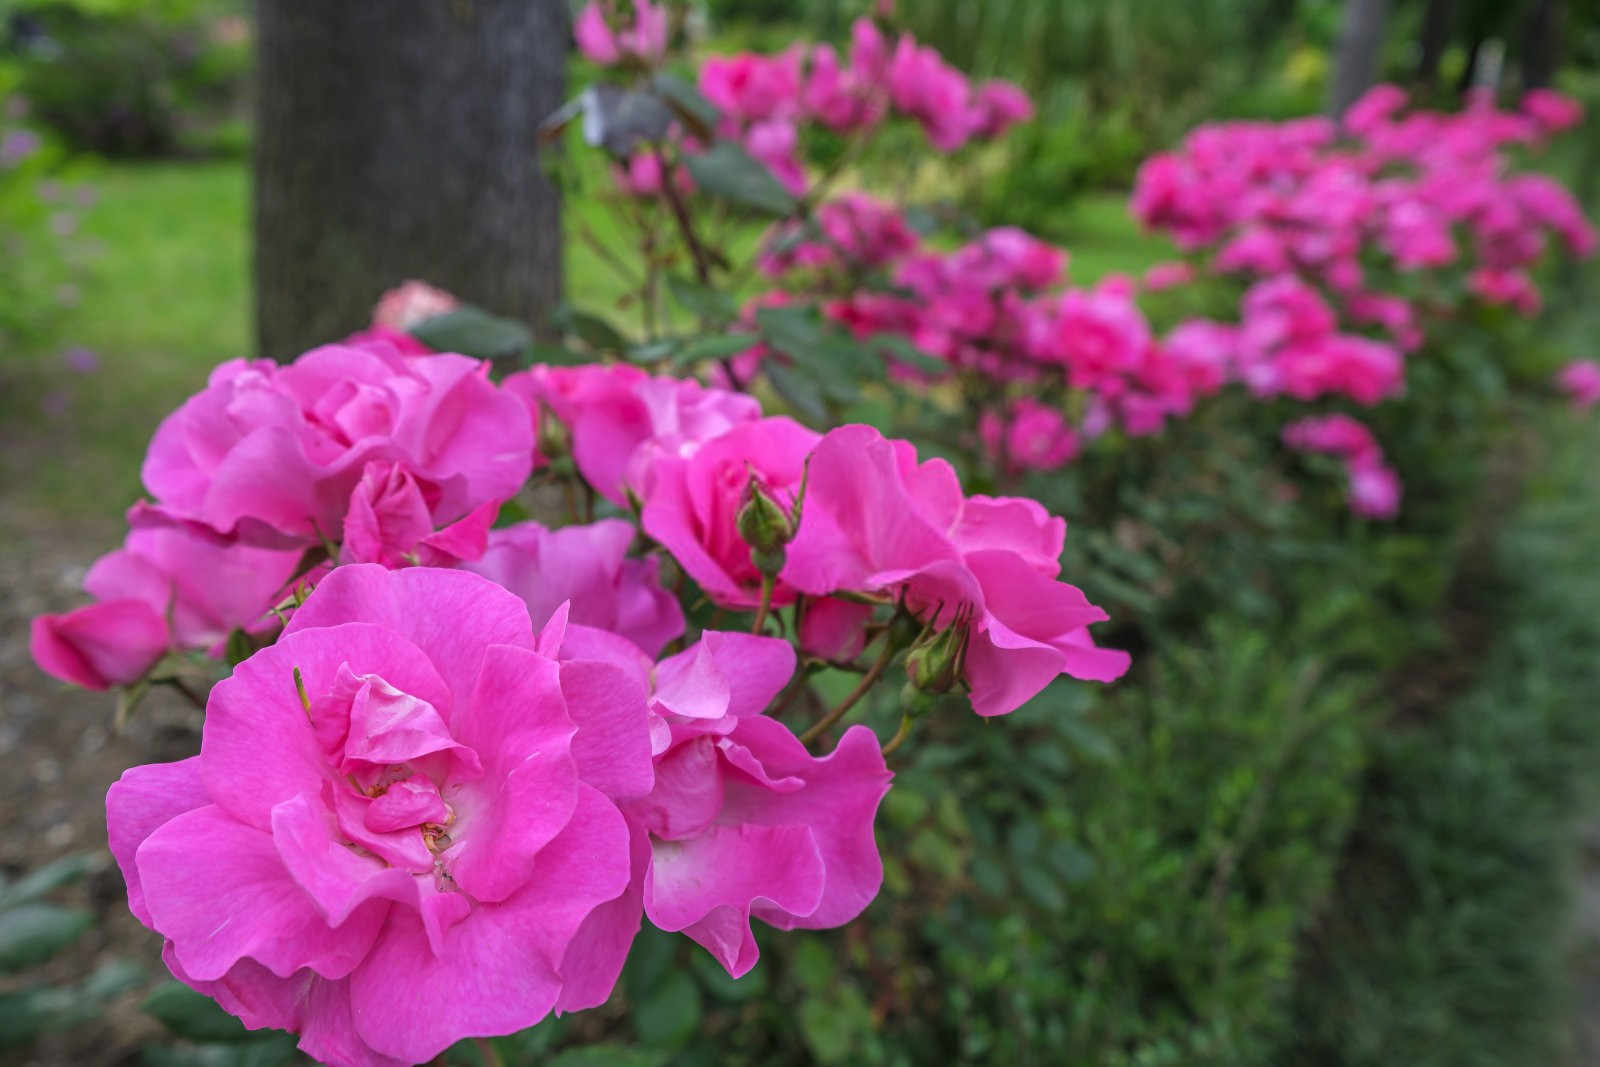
(1328, 819)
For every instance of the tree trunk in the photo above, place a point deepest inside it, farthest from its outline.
(1541, 43)
(1358, 51)
(1437, 20)
(395, 139)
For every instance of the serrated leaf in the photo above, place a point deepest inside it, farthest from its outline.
(192, 1015)
(33, 933)
(474, 332)
(53, 875)
(729, 172)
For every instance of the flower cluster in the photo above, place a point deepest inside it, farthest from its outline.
(352, 453)
(1374, 488)
(456, 765)
(418, 817)
(1418, 190)
(765, 100)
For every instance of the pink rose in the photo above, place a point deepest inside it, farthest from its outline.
(877, 521)
(742, 821)
(389, 522)
(622, 420)
(113, 642)
(999, 105)
(922, 86)
(692, 504)
(1034, 437)
(1374, 490)
(393, 806)
(644, 39)
(173, 585)
(275, 452)
(1335, 435)
(588, 566)
(1551, 109)
(1580, 380)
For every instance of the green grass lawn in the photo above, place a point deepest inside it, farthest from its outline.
(169, 299)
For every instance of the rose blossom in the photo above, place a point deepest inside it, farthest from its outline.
(1580, 380)
(877, 521)
(742, 821)
(622, 420)
(693, 502)
(390, 840)
(587, 566)
(172, 585)
(275, 452)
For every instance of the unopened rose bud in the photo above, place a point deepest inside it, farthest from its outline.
(765, 527)
(936, 661)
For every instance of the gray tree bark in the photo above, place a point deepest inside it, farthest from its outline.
(1359, 43)
(395, 139)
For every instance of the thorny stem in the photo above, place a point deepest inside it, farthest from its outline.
(868, 680)
(767, 583)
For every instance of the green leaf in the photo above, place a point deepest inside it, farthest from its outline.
(711, 306)
(794, 331)
(798, 391)
(593, 330)
(669, 1013)
(697, 113)
(192, 1015)
(37, 883)
(652, 351)
(557, 355)
(716, 346)
(474, 332)
(33, 933)
(729, 172)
